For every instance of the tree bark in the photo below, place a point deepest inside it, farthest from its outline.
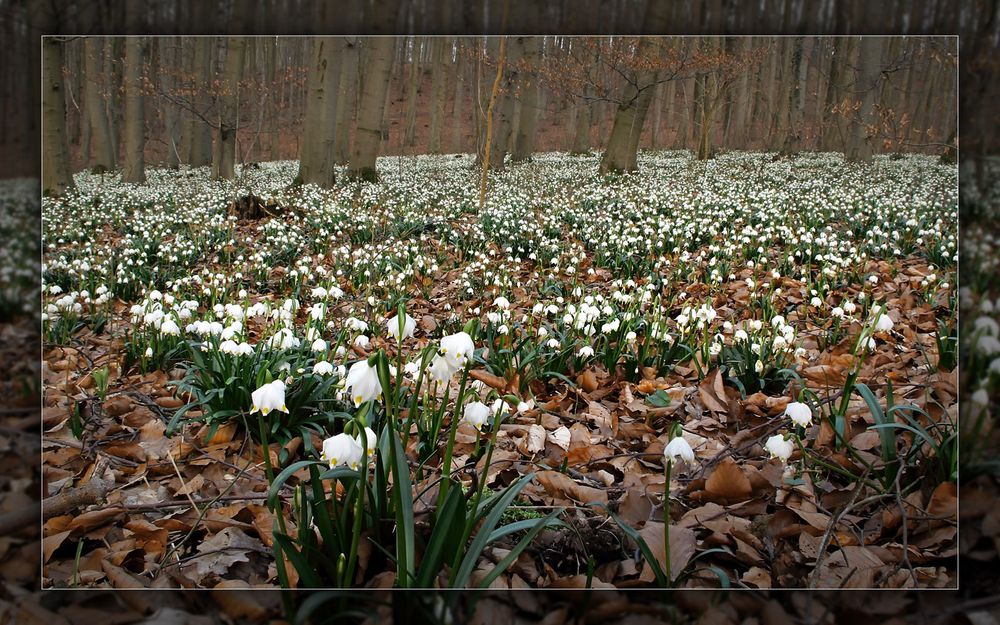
(134, 169)
(527, 125)
(439, 79)
(347, 96)
(200, 131)
(623, 144)
(224, 165)
(410, 133)
(316, 161)
(56, 177)
(100, 134)
(862, 145)
(503, 114)
(371, 106)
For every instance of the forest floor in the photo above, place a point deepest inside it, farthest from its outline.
(706, 303)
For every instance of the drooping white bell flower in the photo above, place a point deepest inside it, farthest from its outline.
(342, 450)
(319, 345)
(362, 382)
(883, 323)
(458, 349)
(323, 368)
(409, 326)
(779, 447)
(371, 441)
(477, 414)
(439, 369)
(678, 448)
(799, 413)
(269, 397)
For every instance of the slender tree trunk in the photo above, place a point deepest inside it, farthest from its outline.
(527, 125)
(503, 121)
(114, 51)
(56, 177)
(100, 130)
(225, 164)
(781, 118)
(623, 144)
(863, 137)
(169, 60)
(200, 130)
(439, 79)
(374, 86)
(134, 169)
(347, 95)
(741, 106)
(410, 133)
(796, 89)
(458, 97)
(316, 161)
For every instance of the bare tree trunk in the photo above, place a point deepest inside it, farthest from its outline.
(134, 169)
(862, 145)
(224, 165)
(741, 106)
(200, 131)
(56, 177)
(779, 133)
(504, 108)
(169, 60)
(409, 134)
(794, 101)
(371, 106)
(441, 63)
(623, 144)
(100, 130)
(347, 95)
(527, 125)
(458, 97)
(316, 161)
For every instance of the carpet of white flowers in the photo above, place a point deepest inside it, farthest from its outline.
(765, 348)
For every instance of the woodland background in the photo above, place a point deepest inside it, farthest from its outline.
(22, 22)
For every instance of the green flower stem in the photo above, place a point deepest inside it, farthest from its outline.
(666, 521)
(452, 429)
(359, 509)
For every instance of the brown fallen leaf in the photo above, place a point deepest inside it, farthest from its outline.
(683, 545)
(728, 482)
(560, 485)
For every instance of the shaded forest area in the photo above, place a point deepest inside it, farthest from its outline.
(975, 22)
(780, 94)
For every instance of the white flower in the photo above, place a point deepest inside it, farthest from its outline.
(409, 325)
(169, 326)
(228, 347)
(585, 352)
(458, 349)
(269, 397)
(981, 397)
(411, 368)
(476, 414)
(149, 352)
(678, 448)
(319, 345)
(323, 368)
(779, 447)
(630, 337)
(370, 438)
(850, 307)
(362, 341)
(244, 349)
(883, 323)
(501, 303)
(837, 312)
(439, 369)
(319, 292)
(342, 450)
(799, 413)
(362, 382)
(525, 406)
